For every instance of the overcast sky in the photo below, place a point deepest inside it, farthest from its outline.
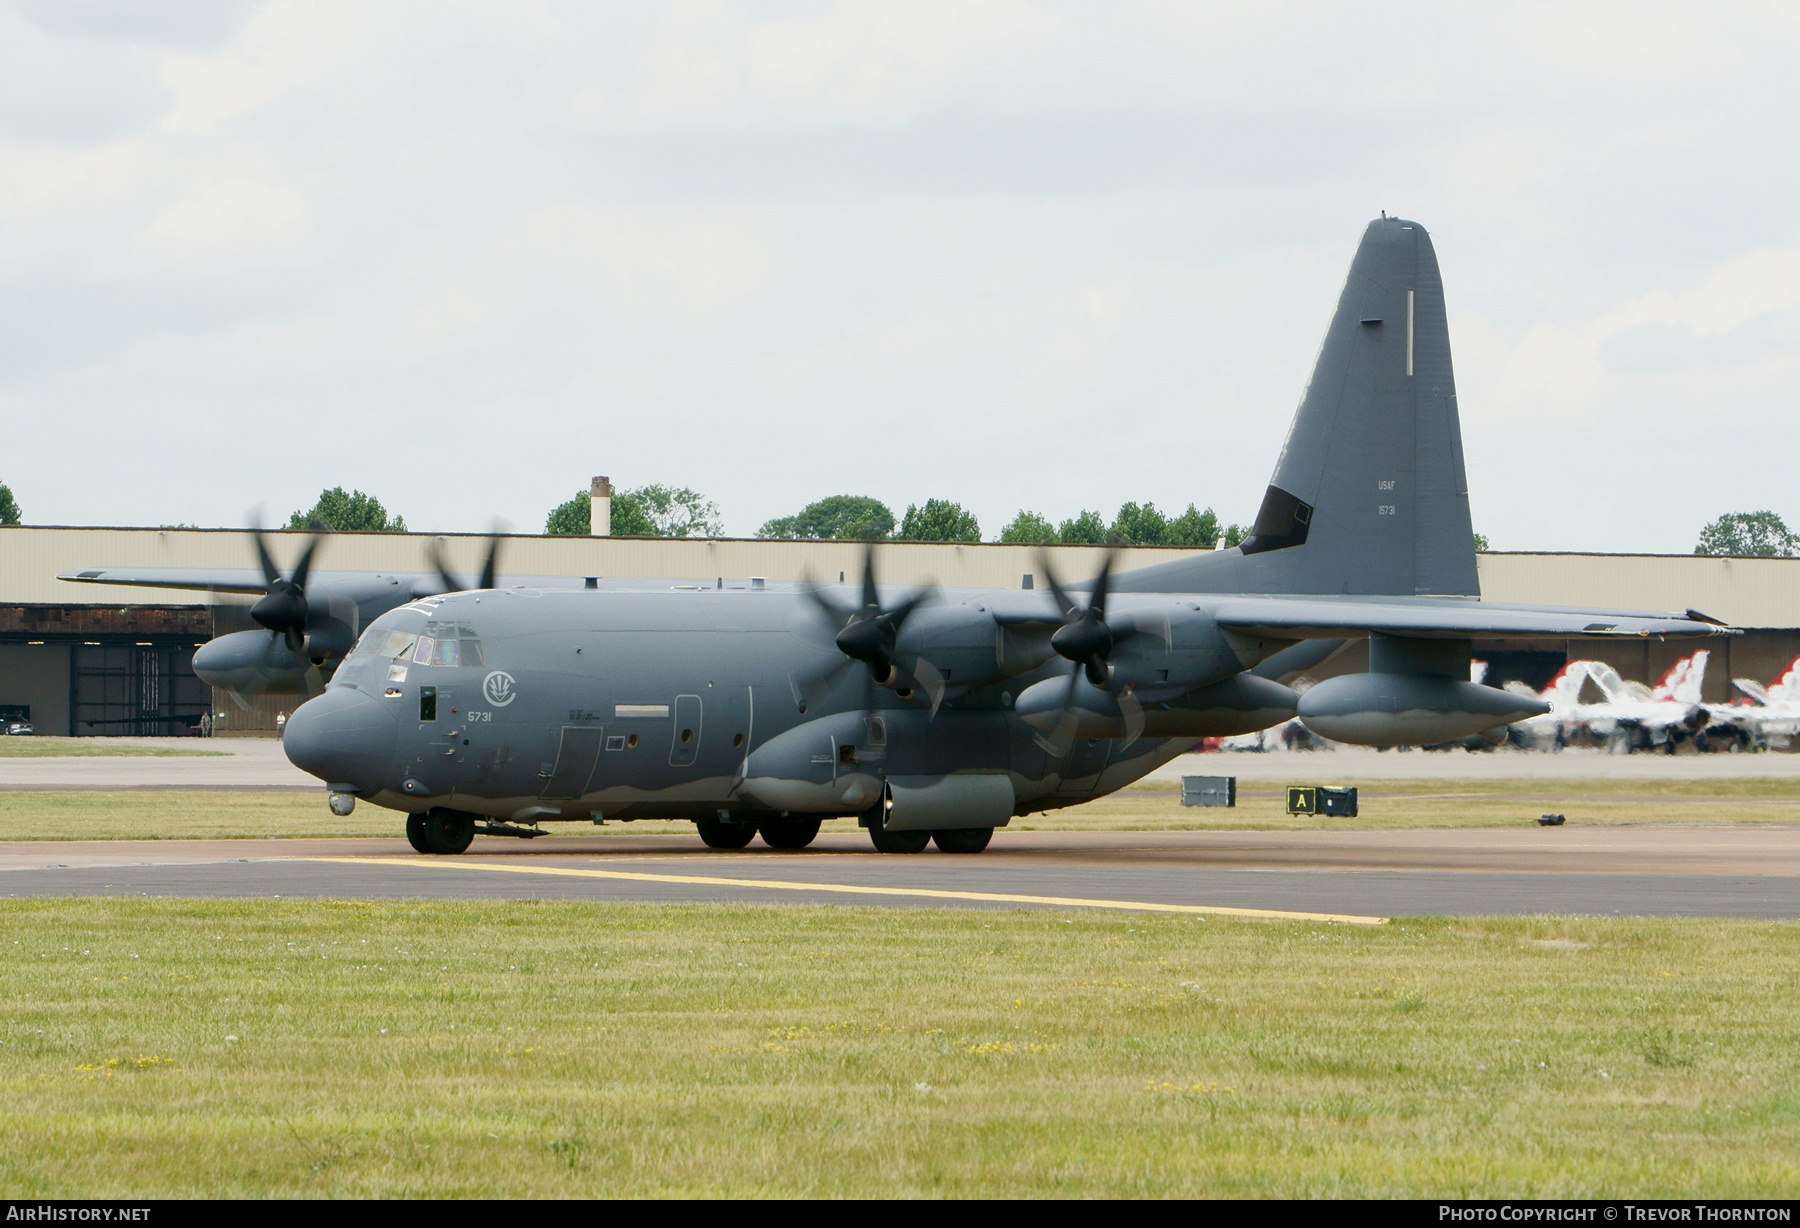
(1055, 256)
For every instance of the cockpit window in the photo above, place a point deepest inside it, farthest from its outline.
(382, 642)
(448, 644)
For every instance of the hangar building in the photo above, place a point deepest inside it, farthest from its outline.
(92, 660)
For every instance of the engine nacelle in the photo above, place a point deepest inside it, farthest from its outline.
(814, 768)
(1408, 709)
(930, 803)
(251, 663)
(1242, 703)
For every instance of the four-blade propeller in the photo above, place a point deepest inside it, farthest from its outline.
(1084, 637)
(1087, 640)
(454, 583)
(282, 609)
(870, 633)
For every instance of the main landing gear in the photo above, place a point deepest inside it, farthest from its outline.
(731, 833)
(777, 833)
(948, 840)
(962, 839)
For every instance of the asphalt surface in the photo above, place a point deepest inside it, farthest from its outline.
(1360, 876)
(260, 764)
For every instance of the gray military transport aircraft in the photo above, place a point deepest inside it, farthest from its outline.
(940, 714)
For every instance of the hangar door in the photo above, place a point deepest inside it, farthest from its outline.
(135, 689)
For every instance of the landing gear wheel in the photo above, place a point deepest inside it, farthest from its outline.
(415, 833)
(963, 839)
(718, 834)
(448, 832)
(886, 841)
(788, 833)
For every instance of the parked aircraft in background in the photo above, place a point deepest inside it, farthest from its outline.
(1623, 716)
(1768, 716)
(1549, 730)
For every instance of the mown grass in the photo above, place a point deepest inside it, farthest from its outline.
(1155, 805)
(91, 748)
(160, 815)
(507, 1049)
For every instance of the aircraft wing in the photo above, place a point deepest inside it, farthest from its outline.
(1330, 617)
(216, 579)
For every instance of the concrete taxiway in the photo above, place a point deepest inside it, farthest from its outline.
(1345, 876)
(260, 764)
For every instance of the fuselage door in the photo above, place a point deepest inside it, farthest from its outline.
(684, 747)
(574, 761)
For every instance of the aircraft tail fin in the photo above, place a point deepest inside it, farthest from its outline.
(1787, 684)
(1612, 686)
(1684, 679)
(1754, 689)
(1564, 691)
(1369, 495)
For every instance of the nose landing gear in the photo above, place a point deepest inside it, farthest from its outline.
(440, 831)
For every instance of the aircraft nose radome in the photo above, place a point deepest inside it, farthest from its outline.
(343, 736)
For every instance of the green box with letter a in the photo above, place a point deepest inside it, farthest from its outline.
(1319, 799)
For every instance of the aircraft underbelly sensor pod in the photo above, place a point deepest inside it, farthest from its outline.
(942, 713)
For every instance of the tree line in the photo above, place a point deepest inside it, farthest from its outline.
(676, 511)
(860, 518)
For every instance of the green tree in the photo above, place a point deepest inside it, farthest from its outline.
(648, 511)
(1086, 529)
(9, 507)
(570, 519)
(1235, 535)
(1138, 526)
(1481, 542)
(1749, 534)
(350, 512)
(836, 518)
(1028, 529)
(939, 521)
(1193, 528)
(672, 511)
(627, 516)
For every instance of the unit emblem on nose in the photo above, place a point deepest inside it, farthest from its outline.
(499, 688)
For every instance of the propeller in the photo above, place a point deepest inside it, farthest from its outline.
(454, 583)
(1087, 640)
(1084, 637)
(282, 609)
(869, 633)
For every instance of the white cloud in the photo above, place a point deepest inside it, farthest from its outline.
(1017, 254)
(242, 220)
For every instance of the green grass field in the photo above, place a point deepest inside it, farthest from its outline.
(1446, 803)
(233, 1048)
(160, 815)
(89, 748)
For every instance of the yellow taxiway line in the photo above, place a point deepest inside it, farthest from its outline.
(932, 893)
